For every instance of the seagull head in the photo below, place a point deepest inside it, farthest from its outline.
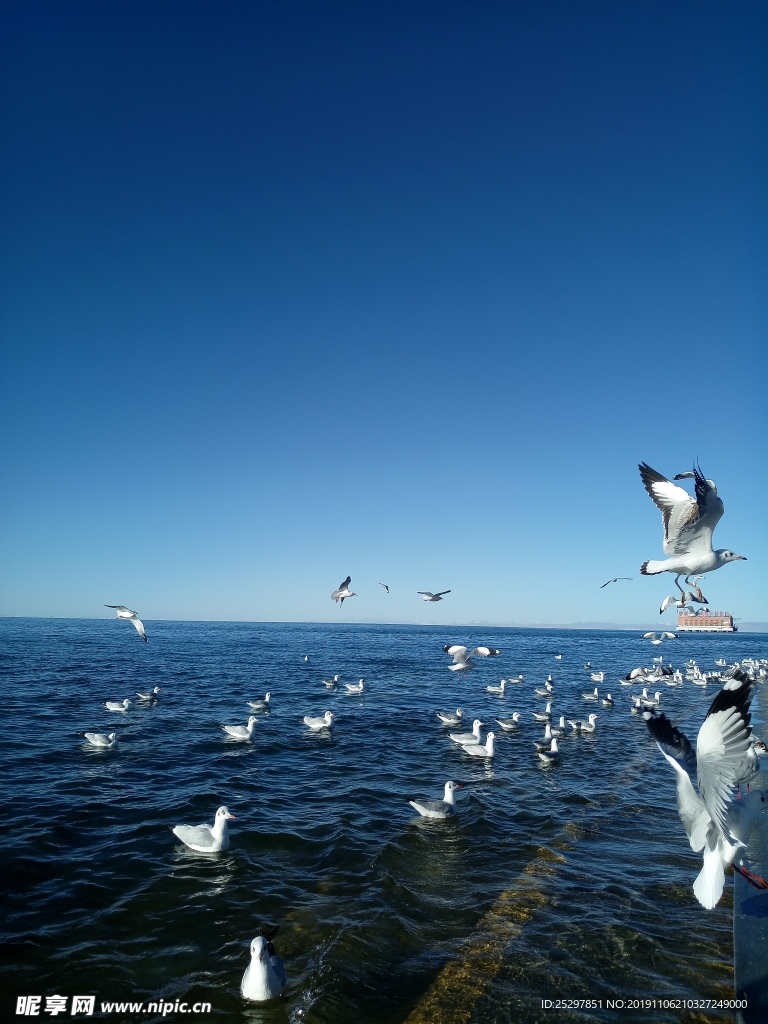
(724, 556)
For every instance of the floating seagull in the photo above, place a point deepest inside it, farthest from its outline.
(688, 525)
(332, 684)
(444, 808)
(614, 580)
(546, 691)
(117, 705)
(497, 689)
(546, 743)
(558, 657)
(545, 715)
(580, 726)
(343, 592)
(355, 687)
(264, 976)
(323, 722)
(462, 661)
(559, 730)
(552, 755)
(711, 817)
(427, 595)
(480, 749)
(99, 739)
(151, 696)
(206, 838)
(467, 737)
(590, 696)
(260, 705)
(509, 724)
(126, 613)
(241, 732)
(449, 718)
(385, 586)
(607, 701)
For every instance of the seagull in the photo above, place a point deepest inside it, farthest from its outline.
(117, 705)
(509, 724)
(152, 695)
(462, 661)
(242, 733)
(546, 691)
(449, 718)
(614, 580)
(264, 976)
(580, 726)
(546, 743)
(126, 613)
(597, 677)
(260, 705)
(206, 838)
(607, 701)
(545, 715)
(590, 696)
(559, 730)
(710, 816)
(427, 595)
(99, 739)
(385, 586)
(343, 592)
(655, 640)
(332, 684)
(444, 808)
(552, 755)
(323, 722)
(666, 635)
(497, 689)
(480, 749)
(468, 737)
(355, 687)
(688, 525)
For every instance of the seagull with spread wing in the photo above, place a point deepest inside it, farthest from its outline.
(126, 613)
(462, 661)
(343, 592)
(688, 525)
(427, 595)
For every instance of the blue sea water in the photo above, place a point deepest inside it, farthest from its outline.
(567, 882)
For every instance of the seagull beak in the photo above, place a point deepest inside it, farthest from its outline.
(231, 816)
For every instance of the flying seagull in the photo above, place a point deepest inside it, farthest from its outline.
(126, 613)
(427, 595)
(688, 525)
(713, 821)
(462, 661)
(385, 586)
(343, 592)
(614, 580)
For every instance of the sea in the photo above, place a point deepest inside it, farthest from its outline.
(556, 892)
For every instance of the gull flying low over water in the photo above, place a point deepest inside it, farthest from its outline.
(126, 613)
(462, 661)
(713, 821)
(427, 595)
(343, 592)
(444, 808)
(206, 838)
(264, 976)
(688, 525)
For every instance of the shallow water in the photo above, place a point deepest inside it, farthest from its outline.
(565, 882)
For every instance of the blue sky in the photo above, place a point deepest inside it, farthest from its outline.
(403, 290)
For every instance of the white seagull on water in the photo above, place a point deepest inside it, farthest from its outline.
(480, 749)
(444, 808)
(242, 733)
(467, 737)
(117, 705)
(126, 613)
(449, 718)
(99, 739)
(264, 976)
(322, 722)
(688, 525)
(711, 818)
(343, 592)
(206, 838)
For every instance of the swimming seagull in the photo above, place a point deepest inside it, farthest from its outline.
(688, 525)
(150, 696)
(355, 687)
(426, 595)
(126, 613)
(468, 737)
(323, 722)
(614, 580)
(332, 684)
(480, 749)
(497, 689)
(99, 739)
(462, 661)
(117, 705)
(206, 838)
(449, 718)
(343, 592)
(711, 817)
(260, 705)
(242, 733)
(580, 726)
(444, 808)
(552, 755)
(509, 724)
(264, 976)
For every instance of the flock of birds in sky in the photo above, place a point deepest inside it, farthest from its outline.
(726, 758)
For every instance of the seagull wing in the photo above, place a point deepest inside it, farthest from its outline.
(485, 652)
(120, 608)
(425, 593)
(139, 626)
(345, 584)
(679, 511)
(441, 592)
(456, 651)
(676, 748)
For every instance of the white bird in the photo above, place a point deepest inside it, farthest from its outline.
(323, 722)
(688, 525)
(333, 683)
(559, 730)
(99, 739)
(355, 687)
(546, 743)
(590, 696)
(449, 718)
(544, 691)
(545, 715)
(552, 755)
(614, 580)
(241, 732)
(597, 677)
(126, 613)
(444, 808)
(264, 976)
(710, 816)
(480, 749)
(558, 657)
(497, 689)
(343, 592)
(607, 701)
(668, 636)
(427, 595)
(152, 695)
(467, 737)
(260, 705)
(462, 661)
(117, 705)
(509, 724)
(206, 838)
(578, 725)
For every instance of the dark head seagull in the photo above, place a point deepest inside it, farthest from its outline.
(688, 526)
(343, 592)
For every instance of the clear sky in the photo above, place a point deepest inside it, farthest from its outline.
(404, 290)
